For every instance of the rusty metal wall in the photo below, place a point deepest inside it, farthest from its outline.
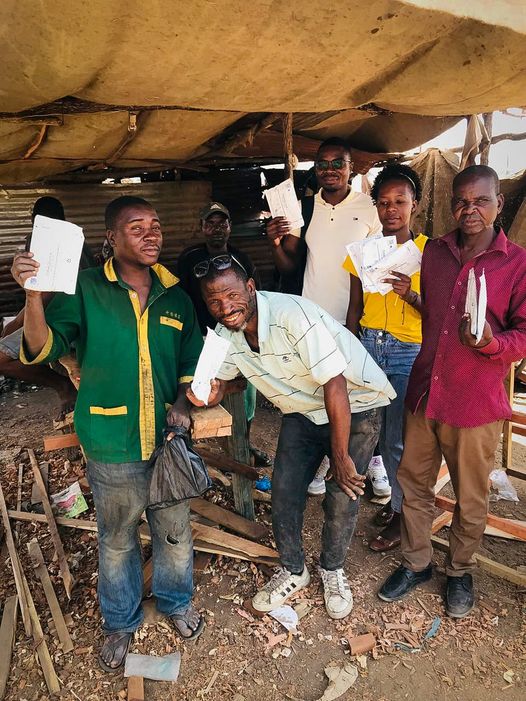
(178, 204)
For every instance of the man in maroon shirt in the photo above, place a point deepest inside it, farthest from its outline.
(456, 399)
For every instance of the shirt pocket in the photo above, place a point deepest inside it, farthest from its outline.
(109, 429)
(174, 323)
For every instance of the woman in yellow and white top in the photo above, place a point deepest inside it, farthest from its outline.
(390, 327)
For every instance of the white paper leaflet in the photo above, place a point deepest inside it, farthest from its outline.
(476, 304)
(375, 257)
(212, 356)
(57, 247)
(283, 202)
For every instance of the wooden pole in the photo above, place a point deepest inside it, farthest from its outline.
(507, 429)
(238, 448)
(487, 118)
(288, 149)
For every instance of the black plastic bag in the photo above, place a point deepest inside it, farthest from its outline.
(179, 472)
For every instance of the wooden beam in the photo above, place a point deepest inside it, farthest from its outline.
(515, 528)
(59, 549)
(218, 476)
(41, 647)
(7, 640)
(228, 464)
(486, 564)
(66, 440)
(441, 522)
(80, 523)
(35, 491)
(56, 612)
(11, 547)
(217, 549)
(234, 522)
(507, 429)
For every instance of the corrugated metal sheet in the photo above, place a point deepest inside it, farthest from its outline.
(177, 203)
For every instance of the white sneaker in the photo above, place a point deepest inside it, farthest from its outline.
(279, 588)
(317, 486)
(336, 593)
(378, 476)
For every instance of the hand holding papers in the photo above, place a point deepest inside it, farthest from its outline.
(375, 258)
(476, 308)
(57, 247)
(283, 202)
(211, 358)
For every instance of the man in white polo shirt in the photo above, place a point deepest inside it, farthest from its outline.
(313, 256)
(315, 371)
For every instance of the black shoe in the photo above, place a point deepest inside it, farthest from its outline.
(460, 597)
(402, 581)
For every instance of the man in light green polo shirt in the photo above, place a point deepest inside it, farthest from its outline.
(137, 341)
(318, 374)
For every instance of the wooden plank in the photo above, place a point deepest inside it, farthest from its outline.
(67, 422)
(35, 491)
(224, 431)
(24, 610)
(443, 478)
(40, 646)
(486, 564)
(518, 417)
(239, 449)
(216, 549)
(441, 521)
(515, 528)
(7, 640)
(518, 472)
(135, 689)
(206, 418)
(234, 522)
(214, 536)
(227, 464)
(219, 476)
(59, 549)
(66, 440)
(56, 612)
(518, 431)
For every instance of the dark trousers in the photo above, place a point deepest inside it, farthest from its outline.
(301, 447)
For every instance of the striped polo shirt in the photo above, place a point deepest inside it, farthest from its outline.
(301, 348)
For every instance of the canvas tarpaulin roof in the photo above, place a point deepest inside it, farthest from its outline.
(387, 74)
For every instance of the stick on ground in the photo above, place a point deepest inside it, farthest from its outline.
(56, 612)
(7, 639)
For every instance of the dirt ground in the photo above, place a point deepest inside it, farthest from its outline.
(480, 657)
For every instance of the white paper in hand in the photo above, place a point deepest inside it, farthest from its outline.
(57, 246)
(212, 356)
(283, 202)
(406, 259)
(476, 304)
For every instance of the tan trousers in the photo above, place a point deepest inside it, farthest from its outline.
(470, 456)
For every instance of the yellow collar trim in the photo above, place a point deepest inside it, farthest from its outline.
(165, 276)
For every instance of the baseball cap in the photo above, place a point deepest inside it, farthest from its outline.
(214, 208)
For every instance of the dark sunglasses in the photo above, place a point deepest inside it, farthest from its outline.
(336, 164)
(221, 262)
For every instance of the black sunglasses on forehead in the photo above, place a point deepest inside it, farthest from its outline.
(221, 262)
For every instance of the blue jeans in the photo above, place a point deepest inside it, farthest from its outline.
(120, 492)
(301, 447)
(396, 359)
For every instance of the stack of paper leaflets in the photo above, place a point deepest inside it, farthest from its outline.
(374, 258)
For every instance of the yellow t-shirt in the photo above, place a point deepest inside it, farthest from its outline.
(389, 312)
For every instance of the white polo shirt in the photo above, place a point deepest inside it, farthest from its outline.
(331, 228)
(301, 348)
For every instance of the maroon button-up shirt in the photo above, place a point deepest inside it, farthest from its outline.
(465, 386)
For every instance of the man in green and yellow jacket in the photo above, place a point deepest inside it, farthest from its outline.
(137, 341)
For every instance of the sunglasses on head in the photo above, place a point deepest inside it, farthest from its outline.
(336, 164)
(222, 262)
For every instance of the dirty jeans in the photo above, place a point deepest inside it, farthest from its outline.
(396, 359)
(120, 492)
(301, 447)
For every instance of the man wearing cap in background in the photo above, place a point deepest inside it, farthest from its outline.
(216, 227)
